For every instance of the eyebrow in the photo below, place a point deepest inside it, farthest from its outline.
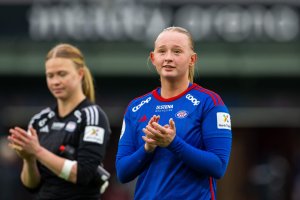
(164, 46)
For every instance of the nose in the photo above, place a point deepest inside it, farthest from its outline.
(168, 56)
(55, 80)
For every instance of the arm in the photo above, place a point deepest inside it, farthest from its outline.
(130, 162)
(217, 138)
(212, 161)
(213, 158)
(30, 175)
(92, 144)
(30, 149)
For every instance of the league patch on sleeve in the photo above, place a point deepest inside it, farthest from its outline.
(94, 134)
(223, 120)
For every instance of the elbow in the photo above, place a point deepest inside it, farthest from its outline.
(122, 178)
(219, 172)
(122, 174)
(85, 175)
(219, 175)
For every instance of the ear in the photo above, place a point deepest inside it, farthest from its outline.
(81, 72)
(193, 59)
(151, 56)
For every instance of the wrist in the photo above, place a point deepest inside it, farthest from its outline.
(148, 148)
(38, 151)
(29, 160)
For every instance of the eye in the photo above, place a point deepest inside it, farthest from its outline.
(161, 50)
(49, 76)
(177, 51)
(62, 73)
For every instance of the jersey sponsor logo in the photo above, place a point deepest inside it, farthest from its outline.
(223, 120)
(181, 114)
(42, 122)
(123, 128)
(51, 114)
(94, 134)
(143, 119)
(71, 126)
(57, 125)
(45, 129)
(164, 108)
(136, 108)
(77, 114)
(192, 99)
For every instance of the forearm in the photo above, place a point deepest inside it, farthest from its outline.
(212, 161)
(130, 166)
(30, 175)
(55, 163)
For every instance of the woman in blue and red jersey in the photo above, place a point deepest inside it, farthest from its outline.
(177, 138)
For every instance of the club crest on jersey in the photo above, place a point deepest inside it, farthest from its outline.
(71, 126)
(223, 120)
(94, 134)
(181, 114)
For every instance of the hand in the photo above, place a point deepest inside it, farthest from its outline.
(149, 147)
(160, 135)
(25, 145)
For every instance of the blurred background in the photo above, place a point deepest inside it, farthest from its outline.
(248, 51)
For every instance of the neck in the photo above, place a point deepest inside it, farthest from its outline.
(66, 106)
(171, 89)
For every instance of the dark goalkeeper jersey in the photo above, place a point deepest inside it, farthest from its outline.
(86, 129)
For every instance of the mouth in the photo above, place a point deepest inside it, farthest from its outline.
(168, 67)
(57, 91)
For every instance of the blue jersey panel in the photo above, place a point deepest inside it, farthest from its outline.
(187, 168)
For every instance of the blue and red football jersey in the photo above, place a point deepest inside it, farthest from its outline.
(198, 155)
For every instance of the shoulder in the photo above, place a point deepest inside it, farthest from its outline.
(138, 102)
(43, 114)
(206, 95)
(92, 112)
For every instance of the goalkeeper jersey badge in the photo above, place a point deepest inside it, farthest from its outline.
(94, 134)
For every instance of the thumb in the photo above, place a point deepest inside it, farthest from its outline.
(31, 131)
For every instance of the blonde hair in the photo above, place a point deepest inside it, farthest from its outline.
(74, 54)
(191, 42)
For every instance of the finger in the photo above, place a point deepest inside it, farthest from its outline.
(17, 135)
(32, 131)
(15, 147)
(172, 124)
(21, 131)
(18, 142)
(153, 131)
(154, 118)
(157, 118)
(158, 127)
(148, 133)
(148, 140)
(151, 120)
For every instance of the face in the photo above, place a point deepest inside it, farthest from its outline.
(173, 55)
(63, 79)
